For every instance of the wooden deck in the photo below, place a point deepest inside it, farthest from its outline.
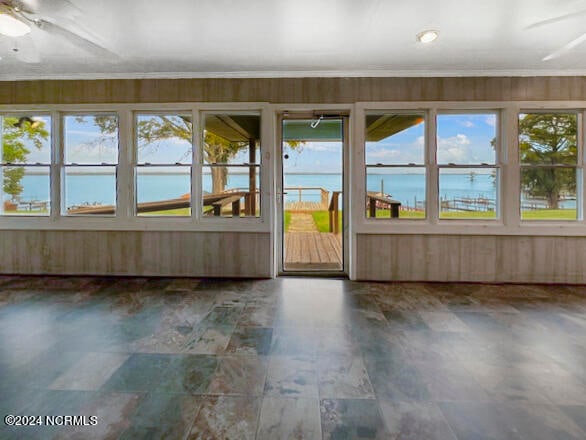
(313, 251)
(305, 206)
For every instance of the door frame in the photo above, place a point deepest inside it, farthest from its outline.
(291, 112)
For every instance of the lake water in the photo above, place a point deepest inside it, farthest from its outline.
(406, 188)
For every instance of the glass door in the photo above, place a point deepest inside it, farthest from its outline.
(312, 194)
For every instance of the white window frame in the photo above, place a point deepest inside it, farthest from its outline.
(425, 164)
(136, 164)
(497, 166)
(63, 166)
(578, 167)
(260, 165)
(125, 219)
(509, 222)
(49, 167)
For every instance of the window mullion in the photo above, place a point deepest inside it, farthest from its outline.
(125, 170)
(196, 167)
(580, 189)
(432, 175)
(56, 163)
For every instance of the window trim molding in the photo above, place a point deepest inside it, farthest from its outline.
(125, 219)
(508, 221)
(508, 224)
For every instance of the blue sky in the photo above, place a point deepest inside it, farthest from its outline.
(461, 139)
(318, 157)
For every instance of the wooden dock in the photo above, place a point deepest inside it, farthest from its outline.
(305, 206)
(301, 205)
(313, 251)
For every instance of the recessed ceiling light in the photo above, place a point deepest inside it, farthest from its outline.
(427, 36)
(12, 27)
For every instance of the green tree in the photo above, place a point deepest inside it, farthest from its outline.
(548, 139)
(216, 149)
(17, 136)
(160, 128)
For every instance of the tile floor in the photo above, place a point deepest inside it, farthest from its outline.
(292, 358)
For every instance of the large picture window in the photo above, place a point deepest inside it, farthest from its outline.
(90, 160)
(395, 165)
(549, 165)
(231, 165)
(25, 164)
(467, 146)
(164, 156)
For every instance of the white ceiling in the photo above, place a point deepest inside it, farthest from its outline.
(264, 38)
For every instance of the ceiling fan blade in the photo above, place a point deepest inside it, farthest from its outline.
(53, 7)
(75, 38)
(556, 19)
(562, 50)
(25, 50)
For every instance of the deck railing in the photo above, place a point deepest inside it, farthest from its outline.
(334, 212)
(324, 193)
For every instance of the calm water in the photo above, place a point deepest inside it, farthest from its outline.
(406, 188)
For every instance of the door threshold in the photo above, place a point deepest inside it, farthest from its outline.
(314, 274)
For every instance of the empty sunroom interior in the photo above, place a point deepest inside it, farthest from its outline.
(292, 219)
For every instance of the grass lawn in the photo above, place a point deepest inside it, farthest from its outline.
(537, 214)
(182, 212)
(386, 213)
(27, 213)
(468, 215)
(322, 220)
(549, 214)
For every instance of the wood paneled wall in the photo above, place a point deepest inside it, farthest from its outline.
(471, 258)
(293, 90)
(221, 254)
(379, 257)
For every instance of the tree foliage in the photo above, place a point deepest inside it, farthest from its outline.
(17, 137)
(548, 139)
(159, 128)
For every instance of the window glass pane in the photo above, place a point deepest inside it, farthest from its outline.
(548, 138)
(25, 190)
(91, 139)
(232, 139)
(395, 139)
(548, 193)
(26, 139)
(164, 139)
(387, 187)
(466, 139)
(90, 190)
(163, 191)
(238, 195)
(467, 192)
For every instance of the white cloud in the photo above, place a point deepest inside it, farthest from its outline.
(384, 154)
(85, 133)
(490, 120)
(467, 124)
(322, 146)
(397, 153)
(93, 153)
(455, 149)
